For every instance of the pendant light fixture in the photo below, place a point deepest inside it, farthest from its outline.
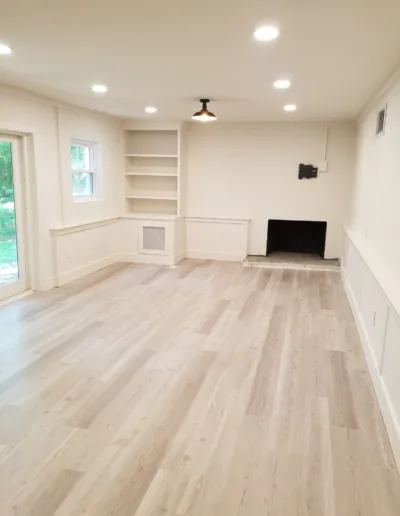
(204, 115)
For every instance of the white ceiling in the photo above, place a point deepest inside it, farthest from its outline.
(169, 52)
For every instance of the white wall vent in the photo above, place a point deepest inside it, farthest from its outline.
(153, 238)
(381, 121)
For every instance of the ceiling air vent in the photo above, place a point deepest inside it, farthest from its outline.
(380, 122)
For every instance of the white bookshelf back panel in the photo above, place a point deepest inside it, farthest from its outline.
(151, 142)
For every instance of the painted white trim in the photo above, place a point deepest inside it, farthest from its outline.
(387, 409)
(48, 283)
(80, 272)
(59, 162)
(66, 230)
(16, 297)
(150, 259)
(217, 220)
(212, 255)
(22, 283)
(151, 216)
(31, 205)
(54, 259)
(178, 258)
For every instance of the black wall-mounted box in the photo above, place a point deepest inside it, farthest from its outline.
(307, 171)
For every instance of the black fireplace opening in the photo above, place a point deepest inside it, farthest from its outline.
(296, 236)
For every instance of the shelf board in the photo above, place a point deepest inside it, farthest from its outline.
(152, 197)
(149, 174)
(151, 155)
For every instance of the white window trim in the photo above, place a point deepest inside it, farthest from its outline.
(95, 161)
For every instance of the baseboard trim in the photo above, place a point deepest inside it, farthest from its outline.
(178, 258)
(388, 412)
(212, 255)
(16, 297)
(80, 272)
(155, 259)
(46, 284)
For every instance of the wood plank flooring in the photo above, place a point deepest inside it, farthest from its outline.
(207, 389)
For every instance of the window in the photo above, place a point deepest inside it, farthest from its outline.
(84, 168)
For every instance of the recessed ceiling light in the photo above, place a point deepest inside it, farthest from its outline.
(290, 107)
(282, 84)
(266, 33)
(151, 109)
(5, 50)
(99, 88)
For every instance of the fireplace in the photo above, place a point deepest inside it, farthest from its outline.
(296, 236)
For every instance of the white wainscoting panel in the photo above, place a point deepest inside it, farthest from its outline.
(378, 324)
(82, 249)
(391, 363)
(374, 311)
(216, 238)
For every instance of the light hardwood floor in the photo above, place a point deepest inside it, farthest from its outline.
(204, 390)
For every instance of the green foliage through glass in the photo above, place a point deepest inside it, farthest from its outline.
(82, 173)
(6, 180)
(8, 233)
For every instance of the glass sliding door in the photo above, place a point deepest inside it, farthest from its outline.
(12, 252)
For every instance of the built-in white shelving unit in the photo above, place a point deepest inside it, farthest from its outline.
(156, 161)
(152, 172)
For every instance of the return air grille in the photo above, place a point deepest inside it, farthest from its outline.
(380, 122)
(153, 238)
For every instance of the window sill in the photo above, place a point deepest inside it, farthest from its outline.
(82, 199)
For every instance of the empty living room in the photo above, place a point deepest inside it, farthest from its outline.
(200, 258)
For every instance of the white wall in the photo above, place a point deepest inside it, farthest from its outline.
(50, 128)
(249, 171)
(107, 133)
(375, 215)
(371, 253)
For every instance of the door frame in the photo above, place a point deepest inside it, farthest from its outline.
(21, 208)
